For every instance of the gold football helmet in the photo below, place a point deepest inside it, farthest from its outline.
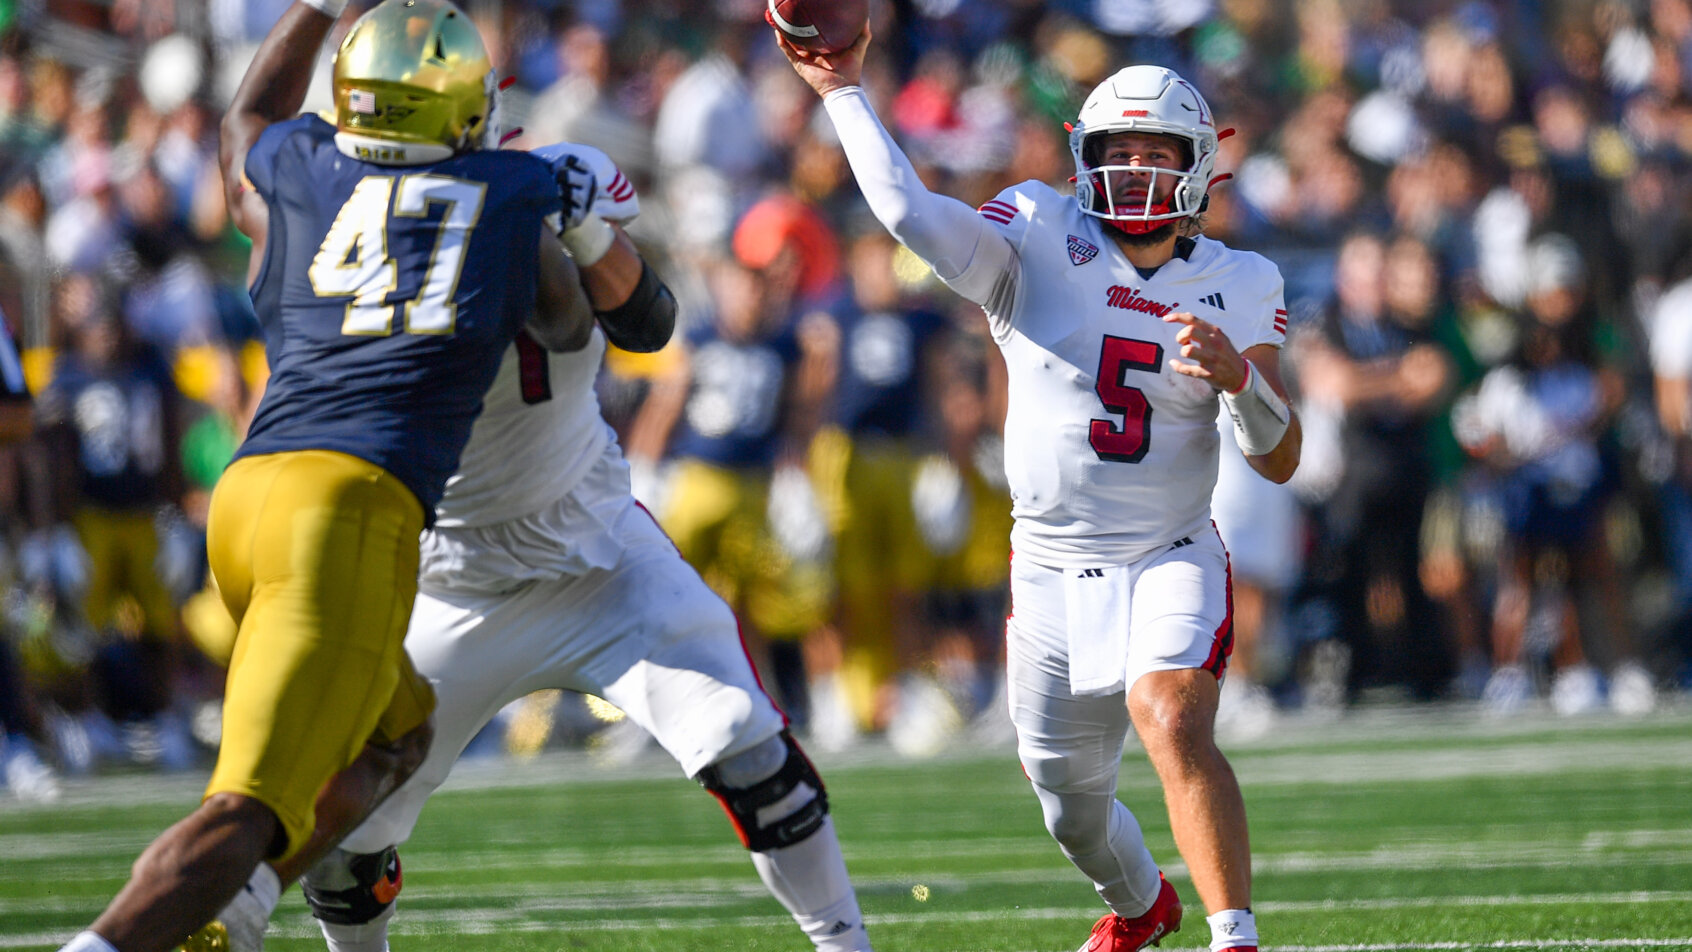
(412, 76)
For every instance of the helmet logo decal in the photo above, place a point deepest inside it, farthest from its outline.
(361, 100)
(1204, 114)
(1081, 250)
(1135, 113)
(1129, 299)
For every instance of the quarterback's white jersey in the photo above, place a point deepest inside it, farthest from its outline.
(540, 429)
(1110, 453)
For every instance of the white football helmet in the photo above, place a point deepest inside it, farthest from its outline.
(1144, 99)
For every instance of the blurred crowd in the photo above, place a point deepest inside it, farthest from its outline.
(1481, 211)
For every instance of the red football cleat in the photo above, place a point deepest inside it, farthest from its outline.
(1116, 934)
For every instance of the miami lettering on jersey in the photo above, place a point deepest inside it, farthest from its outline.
(1129, 299)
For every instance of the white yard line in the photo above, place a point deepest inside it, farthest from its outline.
(1477, 746)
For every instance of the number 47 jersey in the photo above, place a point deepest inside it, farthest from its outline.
(387, 295)
(1110, 454)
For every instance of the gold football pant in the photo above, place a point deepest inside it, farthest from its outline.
(315, 554)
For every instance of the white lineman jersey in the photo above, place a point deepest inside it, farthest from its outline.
(543, 572)
(540, 428)
(643, 632)
(1110, 454)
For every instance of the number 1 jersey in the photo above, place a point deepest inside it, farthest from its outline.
(1110, 454)
(387, 296)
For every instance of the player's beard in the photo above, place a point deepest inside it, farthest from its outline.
(1147, 239)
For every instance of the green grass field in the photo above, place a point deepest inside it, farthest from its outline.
(1388, 830)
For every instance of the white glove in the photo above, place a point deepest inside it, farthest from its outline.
(577, 187)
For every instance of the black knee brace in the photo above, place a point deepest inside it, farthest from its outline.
(742, 805)
(350, 889)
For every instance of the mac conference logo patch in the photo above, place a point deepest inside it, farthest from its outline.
(1081, 250)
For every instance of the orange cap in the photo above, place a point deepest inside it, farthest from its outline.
(776, 222)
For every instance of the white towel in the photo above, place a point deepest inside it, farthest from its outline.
(1097, 606)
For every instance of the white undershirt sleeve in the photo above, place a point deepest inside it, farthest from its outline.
(963, 248)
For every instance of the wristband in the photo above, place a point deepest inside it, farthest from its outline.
(329, 8)
(1260, 415)
(589, 241)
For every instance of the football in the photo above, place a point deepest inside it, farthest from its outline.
(820, 26)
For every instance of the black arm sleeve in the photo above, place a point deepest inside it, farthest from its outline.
(645, 321)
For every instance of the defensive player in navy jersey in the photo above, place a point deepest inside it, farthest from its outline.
(543, 572)
(394, 260)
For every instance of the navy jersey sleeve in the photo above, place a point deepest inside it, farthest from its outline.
(261, 158)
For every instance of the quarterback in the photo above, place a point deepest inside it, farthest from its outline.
(1121, 328)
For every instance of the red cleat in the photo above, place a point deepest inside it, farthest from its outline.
(1116, 934)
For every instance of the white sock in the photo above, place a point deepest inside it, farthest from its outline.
(87, 942)
(264, 887)
(247, 915)
(370, 936)
(1232, 928)
(809, 878)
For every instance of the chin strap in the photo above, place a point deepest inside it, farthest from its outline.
(1137, 226)
(1260, 415)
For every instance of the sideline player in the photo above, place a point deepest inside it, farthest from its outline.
(393, 261)
(543, 572)
(1120, 327)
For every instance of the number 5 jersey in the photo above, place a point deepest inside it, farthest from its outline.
(1110, 454)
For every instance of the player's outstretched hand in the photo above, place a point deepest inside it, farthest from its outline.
(826, 72)
(576, 186)
(1214, 359)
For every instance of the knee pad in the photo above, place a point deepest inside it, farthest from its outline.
(780, 810)
(351, 889)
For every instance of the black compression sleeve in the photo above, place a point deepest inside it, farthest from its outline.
(645, 321)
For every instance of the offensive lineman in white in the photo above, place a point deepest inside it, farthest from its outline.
(1120, 329)
(542, 571)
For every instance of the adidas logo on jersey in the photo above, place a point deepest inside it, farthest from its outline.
(1081, 250)
(1214, 300)
(1129, 300)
